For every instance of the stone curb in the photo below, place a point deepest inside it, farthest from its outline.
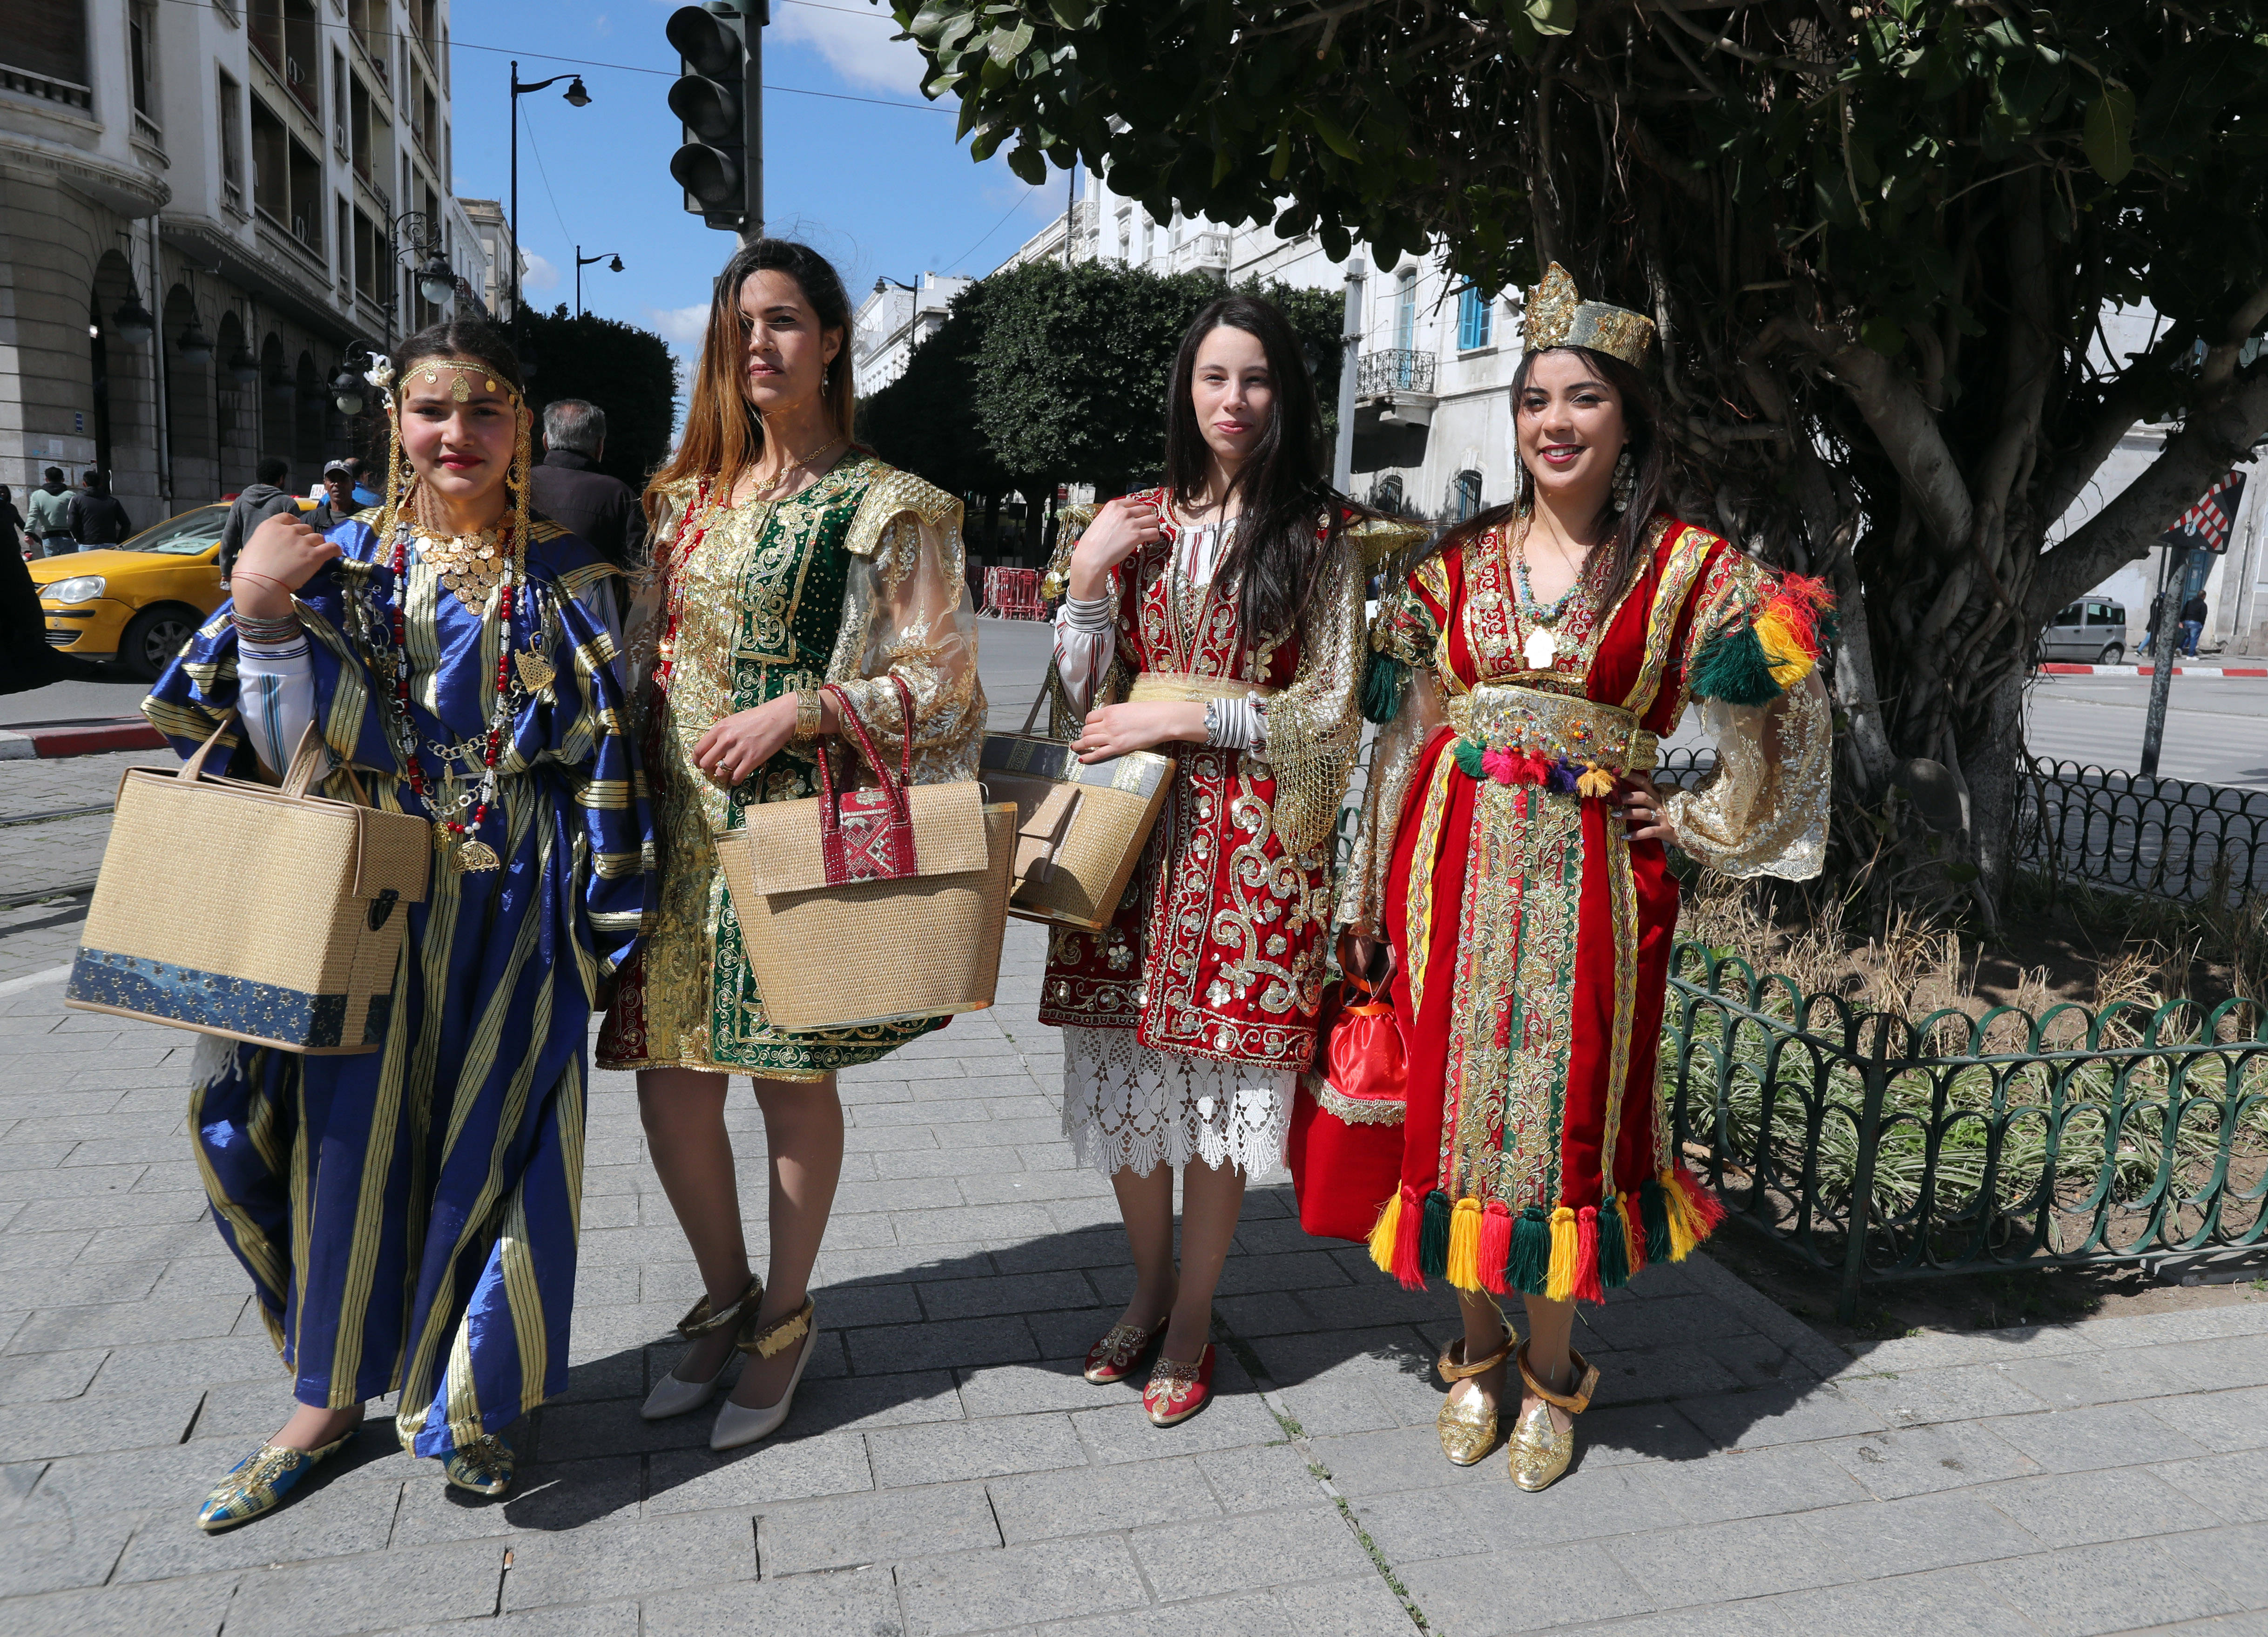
(94, 738)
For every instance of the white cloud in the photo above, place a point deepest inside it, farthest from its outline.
(856, 44)
(536, 272)
(682, 326)
(601, 25)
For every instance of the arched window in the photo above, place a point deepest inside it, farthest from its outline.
(1385, 494)
(1464, 494)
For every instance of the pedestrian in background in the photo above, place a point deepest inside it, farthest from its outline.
(340, 480)
(49, 522)
(11, 525)
(2150, 627)
(2192, 623)
(260, 501)
(568, 491)
(97, 517)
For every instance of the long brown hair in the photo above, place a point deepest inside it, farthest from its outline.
(1612, 570)
(723, 433)
(1273, 559)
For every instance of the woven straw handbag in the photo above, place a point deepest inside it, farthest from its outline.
(1080, 827)
(246, 910)
(872, 906)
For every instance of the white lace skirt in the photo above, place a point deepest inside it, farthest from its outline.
(1132, 1107)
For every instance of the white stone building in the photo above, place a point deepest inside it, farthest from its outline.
(200, 206)
(894, 320)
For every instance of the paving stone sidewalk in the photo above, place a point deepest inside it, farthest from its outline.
(948, 1471)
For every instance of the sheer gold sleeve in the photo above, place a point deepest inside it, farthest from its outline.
(1763, 810)
(1314, 726)
(1404, 631)
(906, 612)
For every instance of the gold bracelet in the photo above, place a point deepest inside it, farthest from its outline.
(810, 714)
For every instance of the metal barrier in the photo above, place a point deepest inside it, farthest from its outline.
(1889, 1150)
(2169, 836)
(1014, 594)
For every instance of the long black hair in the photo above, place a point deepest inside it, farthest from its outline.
(1274, 558)
(1611, 570)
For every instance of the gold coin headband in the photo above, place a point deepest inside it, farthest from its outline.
(401, 480)
(1558, 317)
(461, 374)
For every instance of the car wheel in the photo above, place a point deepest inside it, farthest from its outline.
(154, 637)
(2113, 653)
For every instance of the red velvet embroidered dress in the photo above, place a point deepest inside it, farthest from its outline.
(1532, 937)
(1204, 988)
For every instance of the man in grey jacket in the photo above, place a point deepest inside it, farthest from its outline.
(46, 520)
(259, 502)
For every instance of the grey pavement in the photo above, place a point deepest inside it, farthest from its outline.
(948, 1471)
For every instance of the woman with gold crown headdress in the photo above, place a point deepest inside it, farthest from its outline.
(409, 1215)
(1512, 858)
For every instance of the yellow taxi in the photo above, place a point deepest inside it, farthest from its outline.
(138, 602)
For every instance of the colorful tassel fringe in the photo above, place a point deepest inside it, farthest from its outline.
(1469, 754)
(1755, 663)
(1495, 1246)
(1382, 688)
(1560, 1280)
(1465, 1244)
(1588, 1287)
(1393, 1241)
(1433, 1237)
(1614, 1250)
(1524, 1270)
(1633, 1233)
(1384, 1231)
(1653, 1207)
(1596, 781)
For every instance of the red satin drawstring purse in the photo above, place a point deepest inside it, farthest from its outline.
(1345, 1147)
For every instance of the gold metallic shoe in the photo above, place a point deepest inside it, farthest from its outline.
(258, 1483)
(1467, 1429)
(483, 1467)
(1539, 1450)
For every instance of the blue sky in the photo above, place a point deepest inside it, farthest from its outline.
(881, 190)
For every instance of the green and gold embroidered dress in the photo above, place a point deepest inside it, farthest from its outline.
(1532, 935)
(854, 578)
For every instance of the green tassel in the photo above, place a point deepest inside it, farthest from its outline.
(1653, 1207)
(1433, 1237)
(1614, 1254)
(1732, 667)
(1529, 1267)
(1468, 758)
(1382, 688)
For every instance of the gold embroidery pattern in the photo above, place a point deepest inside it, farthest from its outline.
(1424, 861)
(1686, 557)
(1622, 907)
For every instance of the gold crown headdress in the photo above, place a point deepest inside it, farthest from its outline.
(402, 478)
(1558, 317)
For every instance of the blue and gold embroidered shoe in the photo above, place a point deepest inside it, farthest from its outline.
(258, 1483)
(484, 1466)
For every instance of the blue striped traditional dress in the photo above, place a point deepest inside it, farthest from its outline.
(409, 1215)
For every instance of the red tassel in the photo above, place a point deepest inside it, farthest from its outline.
(1495, 1246)
(1633, 1231)
(1588, 1287)
(1708, 1210)
(1405, 1242)
(1532, 769)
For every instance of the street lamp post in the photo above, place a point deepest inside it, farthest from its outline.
(415, 242)
(576, 96)
(614, 265)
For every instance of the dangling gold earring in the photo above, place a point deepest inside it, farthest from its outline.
(1625, 480)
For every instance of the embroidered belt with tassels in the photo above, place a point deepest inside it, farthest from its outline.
(1560, 1254)
(1523, 736)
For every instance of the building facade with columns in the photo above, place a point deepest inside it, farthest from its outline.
(203, 206)
(893, 321)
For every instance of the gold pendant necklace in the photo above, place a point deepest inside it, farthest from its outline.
(471, 565)
(788, 469)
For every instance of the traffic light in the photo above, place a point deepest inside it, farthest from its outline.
(719, 97)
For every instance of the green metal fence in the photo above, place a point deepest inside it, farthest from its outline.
(1888, 1149)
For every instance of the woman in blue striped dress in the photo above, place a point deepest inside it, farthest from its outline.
(409, 1216)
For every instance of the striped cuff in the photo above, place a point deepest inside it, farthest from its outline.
(1088, 616)
(1238, 725)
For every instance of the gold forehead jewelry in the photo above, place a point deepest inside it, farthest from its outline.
(1558, 317)
(461, 373)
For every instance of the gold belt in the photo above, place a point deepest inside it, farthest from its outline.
(1153, 687)
(1579, 732)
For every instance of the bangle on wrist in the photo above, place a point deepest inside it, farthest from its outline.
(810, 715)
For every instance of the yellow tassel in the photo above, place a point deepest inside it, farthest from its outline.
(1382, 1235)
(1682, 1237)
(1559, 1281)
(1596, 782)
(1465, 1245)
(1790, 662)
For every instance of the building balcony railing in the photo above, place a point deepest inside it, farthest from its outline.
(47, 88)
(1202, 252)
(1396, 369)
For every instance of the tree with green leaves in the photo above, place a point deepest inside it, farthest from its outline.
(1880, 240)
(1045, 374)
(627, 371)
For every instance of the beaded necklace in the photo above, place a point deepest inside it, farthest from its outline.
(1543, 647)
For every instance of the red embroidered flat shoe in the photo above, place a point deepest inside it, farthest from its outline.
(1177, 1390)
(1116, 1356)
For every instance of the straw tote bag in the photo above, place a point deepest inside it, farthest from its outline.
(1080, 827)
(1346, 1144)
(246, 910)
(872, 906)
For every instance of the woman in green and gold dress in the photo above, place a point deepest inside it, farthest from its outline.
(786, 559)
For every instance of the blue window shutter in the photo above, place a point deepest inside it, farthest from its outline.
(1473, 319)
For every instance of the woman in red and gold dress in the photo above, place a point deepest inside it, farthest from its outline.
(1512, 858)
(1219, 615)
